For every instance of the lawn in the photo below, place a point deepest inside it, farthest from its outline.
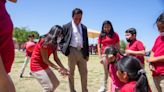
(29, 84)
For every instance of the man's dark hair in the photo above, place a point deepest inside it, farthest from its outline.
(77, 11)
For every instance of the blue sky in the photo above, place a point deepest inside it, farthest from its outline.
(41, 15)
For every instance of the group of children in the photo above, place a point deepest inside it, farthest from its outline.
(126, 71)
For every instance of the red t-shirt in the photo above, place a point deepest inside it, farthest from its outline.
(129, 87)
(136, 46)
(28, 53)
(158, 50)
(115, 80)
(106, 41)
(36, 62)
(6, 41)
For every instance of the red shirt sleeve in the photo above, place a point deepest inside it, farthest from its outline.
(41, 42)
(117, 38)
(140, 46)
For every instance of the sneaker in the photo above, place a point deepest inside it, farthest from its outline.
(21, 76)
(30, 74)
(102, 89)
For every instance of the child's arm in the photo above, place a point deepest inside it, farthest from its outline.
(57, 59)
(131, 52)
(62, 70)
(118, 45)
(44, 54)
(155, 59)
(99, 50)
(14, 1)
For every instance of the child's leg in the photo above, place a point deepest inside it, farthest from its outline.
(47, 79)
(105, 73)
(26, 60)
(105, 79)
(109, 85)
(159, 83)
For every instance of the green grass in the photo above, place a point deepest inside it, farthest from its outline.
(29, 84)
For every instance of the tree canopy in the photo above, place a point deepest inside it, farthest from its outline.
(21, 35)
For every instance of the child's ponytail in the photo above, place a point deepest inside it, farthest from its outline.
(142, 83)
(135, 72)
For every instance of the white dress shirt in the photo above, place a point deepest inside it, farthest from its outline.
(77, 39)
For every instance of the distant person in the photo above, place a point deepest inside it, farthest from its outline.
(29, 46)
(157, 56)
(131, 72)
(40, 63)
(90, 48)
(112, 57)
(95, 49)
(6, 48)
(134, 47)
(75, 46)
(107, 37)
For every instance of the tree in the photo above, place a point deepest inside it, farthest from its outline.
(122, 46)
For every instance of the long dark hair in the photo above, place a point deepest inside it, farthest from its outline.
(52, 36)
(111, 49)
(135, 72)
(160, 18)
(103, 33)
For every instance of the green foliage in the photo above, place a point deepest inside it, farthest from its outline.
(36, 34)
(21, 34)
(122, 46)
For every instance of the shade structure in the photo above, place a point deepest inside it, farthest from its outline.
(93, 33)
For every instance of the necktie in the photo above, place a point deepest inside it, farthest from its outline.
(78, 29)
(79, 45)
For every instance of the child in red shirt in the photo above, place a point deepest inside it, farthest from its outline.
(134, 46)
(107, 37)
(39, 63)
(157, 56)
(29, 44)
(6, 48)
(112, 56)
(131, 72)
